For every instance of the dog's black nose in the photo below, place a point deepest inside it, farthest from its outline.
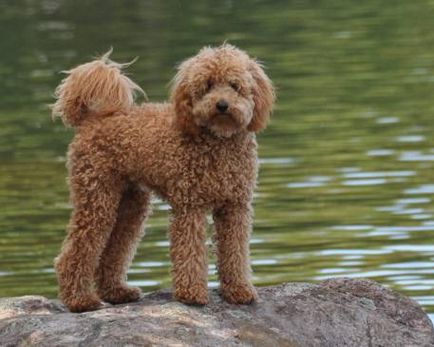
(222, 105)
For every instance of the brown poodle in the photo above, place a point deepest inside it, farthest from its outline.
(197, 152)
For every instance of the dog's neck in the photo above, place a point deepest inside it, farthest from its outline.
(210, 138)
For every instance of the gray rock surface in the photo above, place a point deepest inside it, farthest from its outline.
(337, 312)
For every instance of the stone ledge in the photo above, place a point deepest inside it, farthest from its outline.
(336, 312)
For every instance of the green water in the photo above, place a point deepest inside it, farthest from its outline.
(347, 164)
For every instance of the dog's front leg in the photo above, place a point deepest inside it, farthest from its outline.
(189, 256)
(232, 232)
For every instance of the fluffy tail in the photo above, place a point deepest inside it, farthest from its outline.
(94, 89)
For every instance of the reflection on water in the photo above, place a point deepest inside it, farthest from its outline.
(346, 183)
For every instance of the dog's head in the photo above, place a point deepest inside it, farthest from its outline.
(223, 90)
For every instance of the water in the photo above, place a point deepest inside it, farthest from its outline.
(346, 185)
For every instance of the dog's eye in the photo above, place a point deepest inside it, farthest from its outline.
(235, 86)
(209, 85)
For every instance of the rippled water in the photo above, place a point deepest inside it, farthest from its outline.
(347, 164)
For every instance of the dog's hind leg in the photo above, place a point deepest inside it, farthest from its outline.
(95, 197)
(121, 247)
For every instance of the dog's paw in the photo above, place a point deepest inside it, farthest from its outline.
(243, 294)
(121, 294)
(83, 303)
(192, 296)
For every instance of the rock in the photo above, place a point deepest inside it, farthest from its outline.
(337, 312)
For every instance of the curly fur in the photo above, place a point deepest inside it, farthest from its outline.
(95, 89)
(195, 155)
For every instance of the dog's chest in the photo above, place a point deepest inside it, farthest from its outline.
(214, 177)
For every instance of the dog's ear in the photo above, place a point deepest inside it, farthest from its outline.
(263, 97)
(181, 99)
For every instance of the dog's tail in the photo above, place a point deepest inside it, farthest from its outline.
(94, 90)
